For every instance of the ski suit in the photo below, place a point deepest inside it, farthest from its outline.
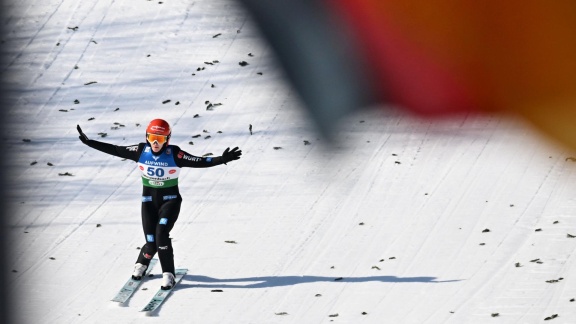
(161, 198)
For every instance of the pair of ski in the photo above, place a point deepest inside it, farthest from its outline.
(158, 299)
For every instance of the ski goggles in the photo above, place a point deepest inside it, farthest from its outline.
(160, 139)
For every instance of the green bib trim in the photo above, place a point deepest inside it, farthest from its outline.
(159, 184)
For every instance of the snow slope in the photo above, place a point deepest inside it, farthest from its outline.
(406, 221)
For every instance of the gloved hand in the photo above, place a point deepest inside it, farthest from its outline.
(231, 155)
(82, 136)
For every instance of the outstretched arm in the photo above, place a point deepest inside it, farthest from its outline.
(184, 159)
(126, 152)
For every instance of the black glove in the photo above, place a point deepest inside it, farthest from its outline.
(82, 136)
(228, 155)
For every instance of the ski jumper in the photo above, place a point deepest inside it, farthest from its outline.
(161, 198)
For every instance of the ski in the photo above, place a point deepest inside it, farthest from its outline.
(131, 285)
(161, 295)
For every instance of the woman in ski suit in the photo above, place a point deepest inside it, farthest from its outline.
(160, 165)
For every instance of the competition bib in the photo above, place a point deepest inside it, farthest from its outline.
(158, 171)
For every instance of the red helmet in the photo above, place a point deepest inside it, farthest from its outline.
(159, 127)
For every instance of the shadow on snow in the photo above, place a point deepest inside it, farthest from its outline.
(279, 281)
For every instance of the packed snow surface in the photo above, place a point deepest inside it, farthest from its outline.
(402, 220)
